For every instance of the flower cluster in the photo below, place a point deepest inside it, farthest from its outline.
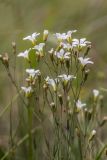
(66, 54)
(55, 78)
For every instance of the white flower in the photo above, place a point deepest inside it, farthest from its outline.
(66, 46)
(39, 47)
(96, 93)
(60, 36)
(80, 43)
(32, 37)
(27, 90)
(45, 35)
(52, 82)
(64, 36)
(80, 105)
(51, 51)
(62, 54)
(66, 78)
(24, 54)
(85, 61)
(69, 33)
(33, 73)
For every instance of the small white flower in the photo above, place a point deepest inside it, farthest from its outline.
(52, 82)
(39, 47)
(27, 90)
(24, 54)
(66, 78)
(85, 61)
(69, 33)
(80, 105)
(33, 73)
(60, 36)
(62, 54)
(80, 43)
(66, 46)
(51, 51)
(32, 37)
(64, 36)
(96, 93)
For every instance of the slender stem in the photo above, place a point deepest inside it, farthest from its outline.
(29, 132)
(80, 148)
(11, 133)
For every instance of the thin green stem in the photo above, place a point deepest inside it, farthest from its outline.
(30, 157)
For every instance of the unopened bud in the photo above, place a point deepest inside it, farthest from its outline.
(28, 81)
(53, 107)
(86, 75)
(93, 133)
(96, 94)
(60, 99)
(1, 57)
(6, 60)
(14, 48)
(51, 54)
(14, 45)
(88, 114)
(103, 121)
(45, 87)
(45, 35)
(77, 132)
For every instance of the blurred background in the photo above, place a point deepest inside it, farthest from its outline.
(19, 18)
(22, 17)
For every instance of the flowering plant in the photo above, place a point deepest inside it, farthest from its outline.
(54, 85)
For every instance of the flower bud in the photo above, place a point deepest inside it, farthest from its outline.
(14, 47)
(77, 132)
(45, 87)
(60, 99)
(45, 35)
(103, 121)
(6, 60)
(96, 94)
(1, 56)
(86, 73)
(92, 135)
(28, 81)
(88, 114)
(53, 107)
(51, 54)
